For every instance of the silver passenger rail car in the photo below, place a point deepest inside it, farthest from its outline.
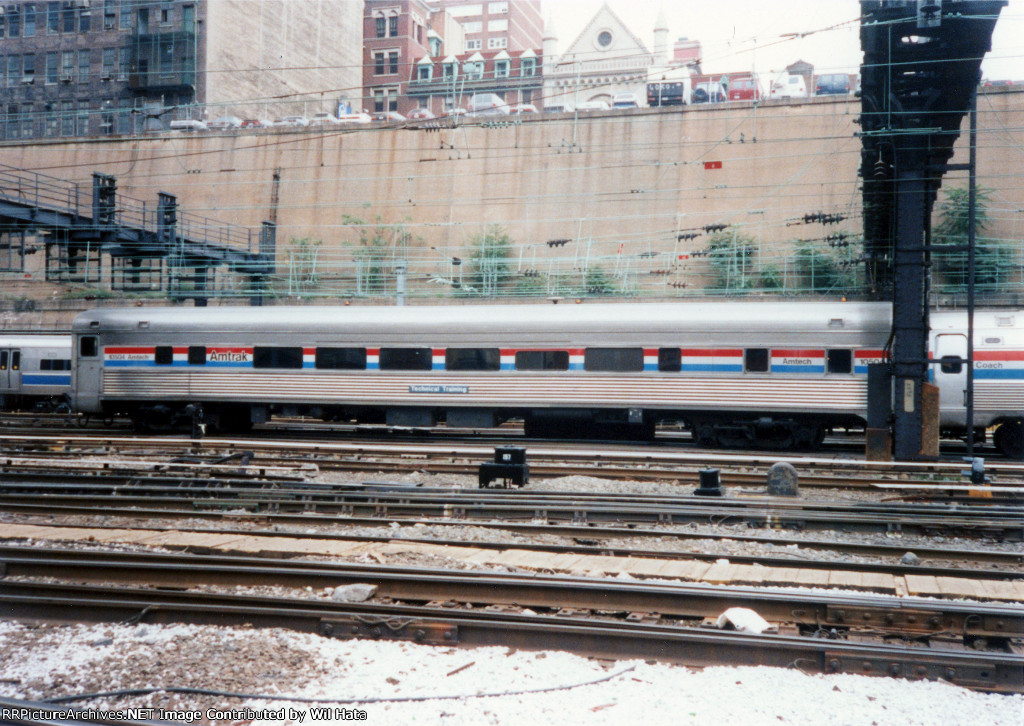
(734, 373)
(35, 371)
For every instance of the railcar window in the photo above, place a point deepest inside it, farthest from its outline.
(542, 360)
(3, 360)
(755, 360)
(348, 359)
(613, 359)
(670, 360)
(50, 364)
(164, 355)
(15, 360)
(197, 355)
(88, 346)
(472, 359)
(951, 364)
(406, 359)
(839, 361)
(276, 357)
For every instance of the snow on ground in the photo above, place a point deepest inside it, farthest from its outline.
(38, 662)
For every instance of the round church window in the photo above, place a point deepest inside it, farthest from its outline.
(604, 39)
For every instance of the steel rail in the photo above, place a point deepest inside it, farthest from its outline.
(538, 452)
(477, 505)
(582, 533)
(919, 616)
(988, 671)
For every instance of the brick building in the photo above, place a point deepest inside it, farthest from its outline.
(84, 67)
(512, 25)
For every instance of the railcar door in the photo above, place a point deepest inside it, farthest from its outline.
(950, 373)
(10, 371)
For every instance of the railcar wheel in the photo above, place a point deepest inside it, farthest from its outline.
(1009, 439)
(705, 435)
(809, 437)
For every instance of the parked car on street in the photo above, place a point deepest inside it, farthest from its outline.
(831, 84)
(256, 123)
(354, 118)
(598, 104)
(292, 121)
(224, 123)
(710, 92)
(625, 99)
(420, 114)
(487, 104)
(187, 124)
(323, 117)
(788, 86)
(389, 116)
(522, 108)
(558, 108)
(745, 89)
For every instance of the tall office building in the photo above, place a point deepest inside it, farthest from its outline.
(88, 67)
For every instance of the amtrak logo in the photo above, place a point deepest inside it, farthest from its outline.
(228, 356)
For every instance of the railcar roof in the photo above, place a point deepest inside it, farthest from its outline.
(35, 341)
(721, 316)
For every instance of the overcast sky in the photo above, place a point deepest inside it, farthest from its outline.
(747, 34)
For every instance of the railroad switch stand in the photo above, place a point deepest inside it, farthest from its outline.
(509, 466)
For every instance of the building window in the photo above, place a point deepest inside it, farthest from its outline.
(382, 26)
(188, 18)
(497, 26)
(494, 43)
(84, 21)
(528, 67)
(448, 70)
(126, 19)
(497, 8)
(68, 17)
(52, 18)
(28, 73)
(474, 26)
(13, 70)
(83, 66)
(107, 70)
(604, 39)
(475, 44)
(142, 21)
(434, 46)
(30, 19)
(425, 72)
(474, 70)
(27, 121)
(122, 64)
(51, 67)
(13, 22)
(393, 62)
(385, 99)
(67, 65)
(67, 118)
(109, 14)
(378, 64)
(501, 69)
(419, 33)
(51, 121)
(393, 26)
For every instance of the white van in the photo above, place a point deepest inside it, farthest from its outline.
(625, 99)
(787, 85)
(487, 104)
(187, 124)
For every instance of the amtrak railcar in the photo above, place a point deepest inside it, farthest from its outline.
(770, 373)
(35, 371)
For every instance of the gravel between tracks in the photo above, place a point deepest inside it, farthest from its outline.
(50, 661)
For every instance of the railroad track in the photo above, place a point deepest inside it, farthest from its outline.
(633, 463)
(975, 645)
(162, 492)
